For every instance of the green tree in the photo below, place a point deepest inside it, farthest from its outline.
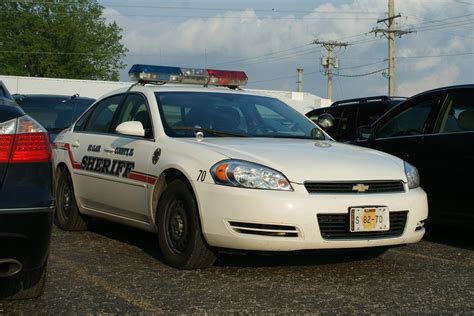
(59, 39)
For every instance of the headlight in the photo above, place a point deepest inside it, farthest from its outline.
(412, 176)
(246, 174)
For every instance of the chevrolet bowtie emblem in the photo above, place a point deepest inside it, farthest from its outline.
(360, 187)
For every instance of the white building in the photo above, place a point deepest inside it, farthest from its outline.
(301, 101)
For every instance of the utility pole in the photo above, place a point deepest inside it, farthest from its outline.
(330, 62)
(390, 32)
(299, 80)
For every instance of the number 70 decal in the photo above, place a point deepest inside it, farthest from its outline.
(202, 175)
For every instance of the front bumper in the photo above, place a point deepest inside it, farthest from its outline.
(25, 235)
(288, 221)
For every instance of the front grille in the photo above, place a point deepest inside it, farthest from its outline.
(336, 226)
(353, 186)
(264, 229)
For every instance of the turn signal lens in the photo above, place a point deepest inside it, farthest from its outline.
(221, 172)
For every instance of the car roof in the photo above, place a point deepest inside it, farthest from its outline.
(447, 88)
(355, 101)
(185, 88)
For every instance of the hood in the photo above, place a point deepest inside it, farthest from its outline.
(311, 160)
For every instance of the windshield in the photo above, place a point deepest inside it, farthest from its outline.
(54, 113)
(233, 115)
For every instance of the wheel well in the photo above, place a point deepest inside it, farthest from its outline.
(164, 179)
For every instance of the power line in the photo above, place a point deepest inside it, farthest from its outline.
(161, 7)
(259, 56)
(437, 56)
(361, 75)
(281, 78)
(52, 53)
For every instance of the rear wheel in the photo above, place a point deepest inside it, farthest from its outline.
(67, 213)
(179, 230)
(24, 285)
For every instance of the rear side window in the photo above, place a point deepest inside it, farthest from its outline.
(459, 113)
(411, 121)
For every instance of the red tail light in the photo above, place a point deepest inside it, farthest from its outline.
(6, 142)
(24, 140)
(31, 147)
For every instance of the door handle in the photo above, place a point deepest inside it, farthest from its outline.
(109, 150)
(76, 144)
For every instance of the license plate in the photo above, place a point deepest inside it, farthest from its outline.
(369, 219)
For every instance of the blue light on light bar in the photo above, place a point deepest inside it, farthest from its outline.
(151, 73)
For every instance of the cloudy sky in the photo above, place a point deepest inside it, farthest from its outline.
(270, 39)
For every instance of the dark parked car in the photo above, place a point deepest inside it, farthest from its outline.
(26, 202)
(351, 113)
(434, 131)
(4, 93)
(54, 112)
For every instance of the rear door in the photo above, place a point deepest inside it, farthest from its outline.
(448, 159)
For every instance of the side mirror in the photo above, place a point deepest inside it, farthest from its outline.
(325, 121)
(131, 128)
(365, 132)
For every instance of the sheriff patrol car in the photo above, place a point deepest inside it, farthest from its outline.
(218, 168)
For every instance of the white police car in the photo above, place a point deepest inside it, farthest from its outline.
(220, 168)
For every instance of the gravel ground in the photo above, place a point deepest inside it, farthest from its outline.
(116, 269)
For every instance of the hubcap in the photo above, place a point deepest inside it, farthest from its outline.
(66, 201)
(178, 228)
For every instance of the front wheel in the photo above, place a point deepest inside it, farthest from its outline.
(67, 215)
(179, 230)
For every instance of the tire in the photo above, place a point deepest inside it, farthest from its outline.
(67, 216)
(24, 285)
(179, 230)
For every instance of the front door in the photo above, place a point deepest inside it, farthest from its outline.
(105, 177)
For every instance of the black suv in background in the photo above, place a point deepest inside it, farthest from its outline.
(434, 131)
(4, 93)
(26, 202)
(54, 112)
(351, 113)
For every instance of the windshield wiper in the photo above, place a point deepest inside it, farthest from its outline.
(290, 136)
(208, 131)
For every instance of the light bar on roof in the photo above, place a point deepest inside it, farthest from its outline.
(163, 74)
(195, 75)
(150, 73)
(227, 78)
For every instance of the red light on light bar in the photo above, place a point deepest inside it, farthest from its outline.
(227, 78)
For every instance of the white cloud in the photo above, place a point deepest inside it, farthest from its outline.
(443, 77)
(239, 35)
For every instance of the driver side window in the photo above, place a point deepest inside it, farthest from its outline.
(411, 121)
